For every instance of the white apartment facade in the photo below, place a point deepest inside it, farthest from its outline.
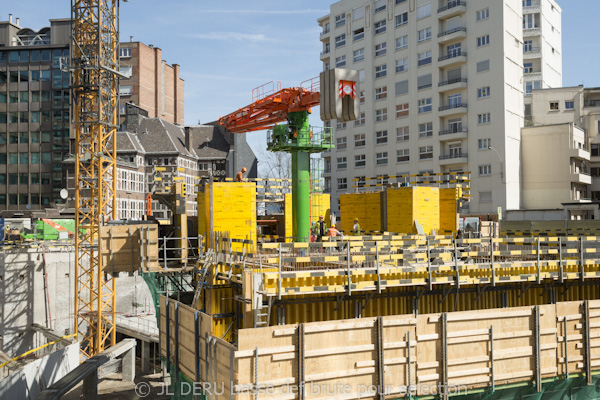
(440, 82)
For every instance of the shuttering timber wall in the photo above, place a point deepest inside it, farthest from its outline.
(130, 248)
(550, 228)
(364, 206)
(428, 354)
(228, 207)
(434, 208)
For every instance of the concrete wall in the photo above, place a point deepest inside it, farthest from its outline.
(23, 299)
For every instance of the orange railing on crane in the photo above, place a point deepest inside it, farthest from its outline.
(271, 104)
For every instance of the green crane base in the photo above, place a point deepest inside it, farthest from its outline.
(299, 139)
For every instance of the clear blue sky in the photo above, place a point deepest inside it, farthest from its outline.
(228, 47)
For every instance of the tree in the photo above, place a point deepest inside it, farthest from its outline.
(274, 165)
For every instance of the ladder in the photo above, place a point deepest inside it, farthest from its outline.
(201, 283)
(262, 314)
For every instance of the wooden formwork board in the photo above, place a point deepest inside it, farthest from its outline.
(428, 353)
(130, 248)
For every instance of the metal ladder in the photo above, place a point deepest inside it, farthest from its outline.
(205, 268)
(262, 314)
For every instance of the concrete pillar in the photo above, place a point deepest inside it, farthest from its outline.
(145, 351)
(89, 388)
(129, 365)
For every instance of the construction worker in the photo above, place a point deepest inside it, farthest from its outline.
(320, 229)
(356, 228)
(333, 232)
(240, 175)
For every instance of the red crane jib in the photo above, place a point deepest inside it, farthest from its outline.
(266, 112)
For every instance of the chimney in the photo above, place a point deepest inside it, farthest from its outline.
(17, 21)
(187, 138)
(10, 18)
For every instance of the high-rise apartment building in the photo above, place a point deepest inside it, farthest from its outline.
(441, 90)
(35, 107)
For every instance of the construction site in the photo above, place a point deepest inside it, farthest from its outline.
(268, 294)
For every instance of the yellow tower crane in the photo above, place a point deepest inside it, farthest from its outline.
(94, 89)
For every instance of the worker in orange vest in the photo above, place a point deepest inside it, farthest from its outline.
(240, 175)
(333, 232)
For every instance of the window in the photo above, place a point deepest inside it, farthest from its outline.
(35, 158)
(359, 55)
(23, 179)
(424, 58)
(483, 14)
(402, 65)
(425, 105)
(381, 93)
(340, 41)
(402, 19)
(483, 92)
(45, 158)
(380, 27)
(529, 86)
(426, 130)
(361, 97)
(402, 155)
(554, 106)
(126, 70)
(125, 52)
(402, 134)
(380, 49)
(13, 179)
(595, 150)
(485, 197)
(342, 183)
(485, 169)
(527, 68)
(360, 121)
(340, 20)
(484, 144)
(528, 46)
(358, 13)
(340, 126)
(360, 160)
(483, 119)
(24, 97)
(531, 21)
(13, 158)
(569, 105)
(342, 163)
(381, 137)
(483, 40)
(125, 90)
(24, 158)
(381, 115)
(424, 11)
(424, 81)
(360, 140)
(361, 181)
(380, 71)
(358, 34)
(402, 110)
(425, 152)
(340, 61)
(381, 158)
(595, 172)
(400, 1)
(424, 34)
(483, 66)
(402, 42)
(361, 75)
(326, 67)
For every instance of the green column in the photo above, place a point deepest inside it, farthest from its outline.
(301, 176)
(301, 195)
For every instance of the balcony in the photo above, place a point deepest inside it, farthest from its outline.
(452, 59)
(452, 109)
(453, 134)
(592, 103)
(452, 84)
(532, 76)
(325, 34)
(581, 177)
(452, 34)
(452, 9)
(455, 158)
(534, 8)
(325, 54)
(580, 154)
(532, 32)
(532, 52)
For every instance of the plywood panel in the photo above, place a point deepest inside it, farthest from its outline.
(130, 248)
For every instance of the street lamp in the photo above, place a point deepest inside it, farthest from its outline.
(499, 159)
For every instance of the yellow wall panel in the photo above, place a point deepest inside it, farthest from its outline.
(364, 206)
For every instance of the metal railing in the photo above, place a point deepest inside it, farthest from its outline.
(169, 253)
(532, 50)
(451, 31)
(451, 5)
(452, 81)
(451, 156)
(325, 32)
(453, 54)
(453, 106)
(451, 131)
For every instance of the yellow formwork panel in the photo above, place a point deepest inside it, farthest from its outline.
(405, 205)
(320, 204)
(448, 209)
(288, 217)
(364, 206)
(229, 207)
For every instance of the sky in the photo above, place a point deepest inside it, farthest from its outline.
(227, 48)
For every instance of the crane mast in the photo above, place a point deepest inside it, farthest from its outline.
(94, 79)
